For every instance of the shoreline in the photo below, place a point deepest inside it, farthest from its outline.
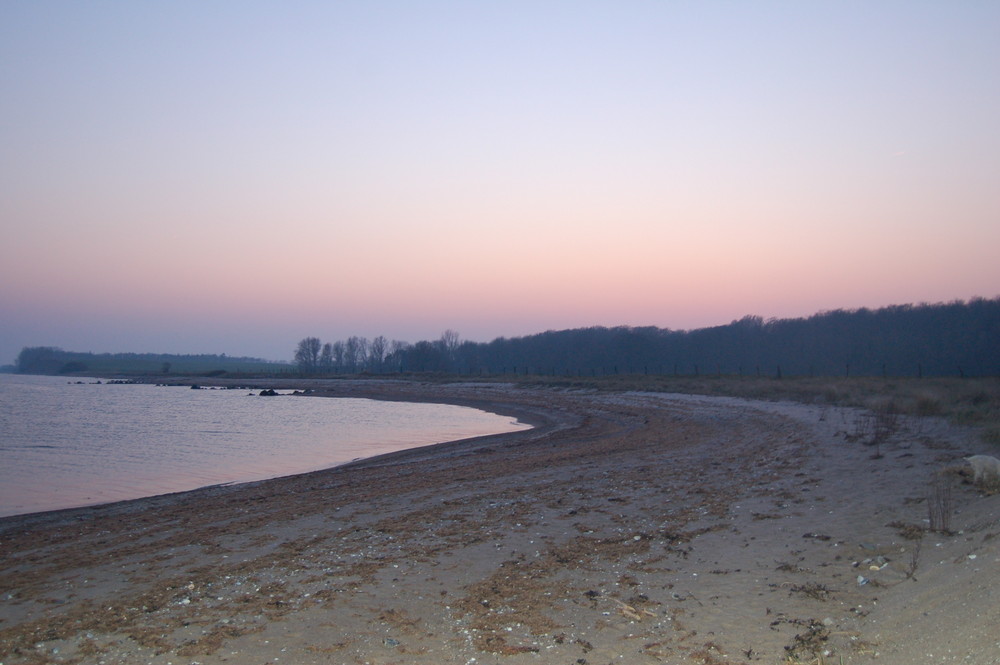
(532, 419)
(625, 527)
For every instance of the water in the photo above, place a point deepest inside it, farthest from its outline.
(65, 445)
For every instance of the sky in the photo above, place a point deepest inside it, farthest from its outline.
(230, 177)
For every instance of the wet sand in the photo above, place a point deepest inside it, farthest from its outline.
(624, 528)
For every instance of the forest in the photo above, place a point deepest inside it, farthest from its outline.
(948, 339)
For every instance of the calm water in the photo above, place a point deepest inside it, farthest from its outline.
(64, 445)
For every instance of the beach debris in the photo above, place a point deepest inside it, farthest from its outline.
(808, 643)
(908, 531)
(812, 590)
(985, 469)
(632, 613)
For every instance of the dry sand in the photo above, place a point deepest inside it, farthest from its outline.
(625, 528)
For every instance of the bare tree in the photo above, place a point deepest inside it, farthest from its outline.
(397, 351)
(339, 355)
(326, 358)
(307, 354)
(449, 341)
(376, 353)
(449, 346)
(356, 352)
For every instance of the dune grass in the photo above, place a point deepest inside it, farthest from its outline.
(965, 401)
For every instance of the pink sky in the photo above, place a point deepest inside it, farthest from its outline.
(186, 179)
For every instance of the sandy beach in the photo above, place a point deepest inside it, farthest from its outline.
(624, 528)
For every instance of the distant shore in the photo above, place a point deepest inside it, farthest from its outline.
(624, 527)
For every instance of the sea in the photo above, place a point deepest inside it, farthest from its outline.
(66, 443)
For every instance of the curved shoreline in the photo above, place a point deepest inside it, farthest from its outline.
(534, 418)
(641, 528)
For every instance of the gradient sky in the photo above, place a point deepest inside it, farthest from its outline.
(229, 177)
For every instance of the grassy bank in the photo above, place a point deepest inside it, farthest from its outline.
(968, 401)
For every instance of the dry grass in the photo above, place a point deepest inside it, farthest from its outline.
(966, 401)
(939, 505)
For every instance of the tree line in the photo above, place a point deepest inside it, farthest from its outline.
(946, 339)
(53, 360)
(377, 356)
